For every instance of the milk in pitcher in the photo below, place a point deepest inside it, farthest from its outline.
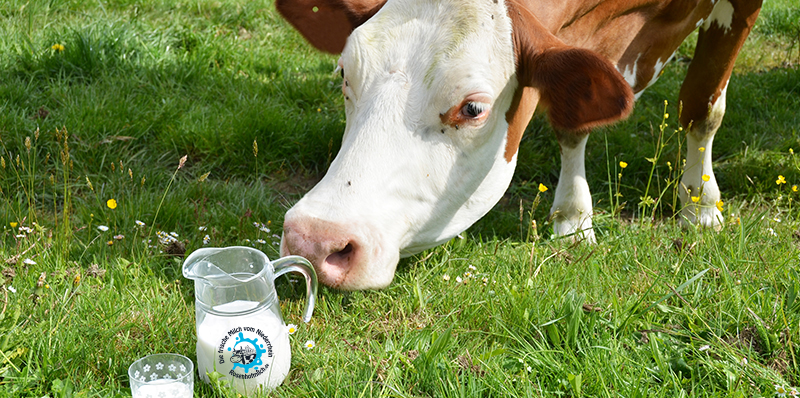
(249, 350)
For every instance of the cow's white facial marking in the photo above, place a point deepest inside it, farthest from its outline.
(426, 88)
(722, 15)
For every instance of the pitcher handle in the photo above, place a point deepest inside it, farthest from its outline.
(303, 266)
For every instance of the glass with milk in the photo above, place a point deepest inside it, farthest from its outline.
(162, 375)
(240, 331)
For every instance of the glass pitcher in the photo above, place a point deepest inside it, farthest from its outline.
(240, 331)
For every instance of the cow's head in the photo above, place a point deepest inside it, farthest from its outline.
(437, 94)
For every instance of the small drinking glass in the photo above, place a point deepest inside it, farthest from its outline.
(162, 375)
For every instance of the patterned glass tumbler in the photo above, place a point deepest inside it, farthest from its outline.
(162, 376)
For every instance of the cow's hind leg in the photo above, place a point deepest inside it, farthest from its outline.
(572, 207)
(702, 99)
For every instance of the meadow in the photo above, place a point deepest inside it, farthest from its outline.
(133, 132)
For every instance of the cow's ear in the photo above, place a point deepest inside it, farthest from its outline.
(326, 24)
(580, 89)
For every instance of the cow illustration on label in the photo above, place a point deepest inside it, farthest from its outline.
(247, 355)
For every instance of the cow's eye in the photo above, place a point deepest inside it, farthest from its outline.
(473, 110)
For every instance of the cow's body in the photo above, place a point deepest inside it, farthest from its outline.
(438, 94)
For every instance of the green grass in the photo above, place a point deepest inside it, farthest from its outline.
(651, 310)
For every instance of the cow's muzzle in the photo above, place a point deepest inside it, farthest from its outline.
(342, 256)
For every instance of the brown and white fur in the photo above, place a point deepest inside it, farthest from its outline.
(438, 94)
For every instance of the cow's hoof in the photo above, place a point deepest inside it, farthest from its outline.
(578, 230)
(706, 216)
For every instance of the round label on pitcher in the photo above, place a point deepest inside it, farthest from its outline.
(248, 349)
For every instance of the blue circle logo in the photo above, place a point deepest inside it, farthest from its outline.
(247, 353)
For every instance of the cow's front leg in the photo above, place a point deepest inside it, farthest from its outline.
(699, 191)
(572, 207)
(703, 105)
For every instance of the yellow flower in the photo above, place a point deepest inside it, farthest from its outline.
(623, 165)
(719, 205)
(780, 180)
(791, 151)
(13, 224)
(706, 177)
(542, 188)
(58, 47)
(112, 204)
(702, 149)
(794, 188)
(695, 199)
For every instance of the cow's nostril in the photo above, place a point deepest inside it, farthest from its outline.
(342, 257)
(347, 250)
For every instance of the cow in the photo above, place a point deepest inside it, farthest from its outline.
(438, 94)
